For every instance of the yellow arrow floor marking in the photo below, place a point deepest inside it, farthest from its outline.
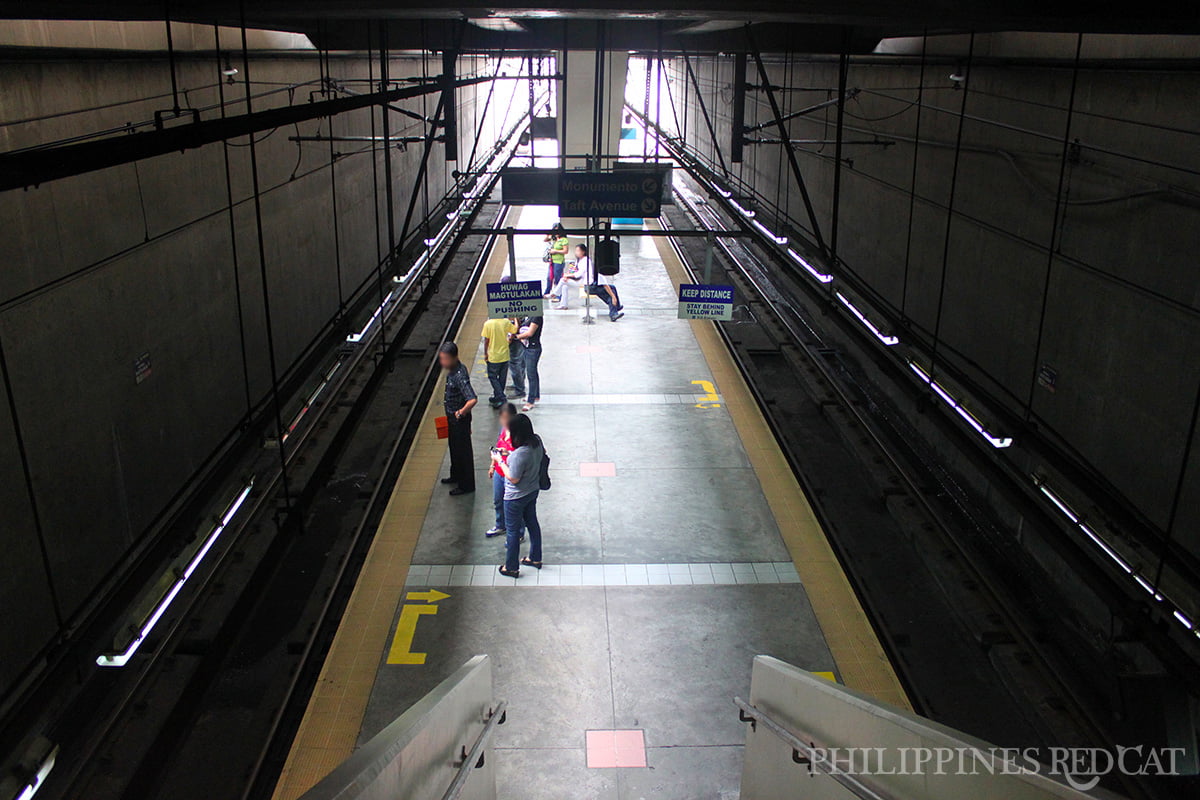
(401, 650)
(710, 397)
(432, 596)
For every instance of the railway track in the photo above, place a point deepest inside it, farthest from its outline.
(966, 652)
(206, 703)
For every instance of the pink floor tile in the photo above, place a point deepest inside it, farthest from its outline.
(612, 749)
(597, 469)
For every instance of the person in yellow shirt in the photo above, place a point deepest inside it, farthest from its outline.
(496, 336)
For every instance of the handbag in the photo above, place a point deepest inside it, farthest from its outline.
(544, 472)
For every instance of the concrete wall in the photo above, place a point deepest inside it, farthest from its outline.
(102, 268)
(1122, 295)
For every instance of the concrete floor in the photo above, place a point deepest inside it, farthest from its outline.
(662, 580)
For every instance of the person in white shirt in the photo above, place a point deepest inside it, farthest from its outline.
(572, 274)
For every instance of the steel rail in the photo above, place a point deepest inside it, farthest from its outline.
(264, 490)
(1010, 615)
(473, 759)
(812, 753)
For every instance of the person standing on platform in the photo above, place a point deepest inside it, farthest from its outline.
(501, 448)
(458, 401)
(522, 473)
(496, 333)
(529, 334)
(557, 251)
(516, 362)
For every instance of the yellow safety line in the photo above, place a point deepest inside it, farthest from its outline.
(861, 661)
(329, 730)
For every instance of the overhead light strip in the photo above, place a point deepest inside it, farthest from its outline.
(39, 778)
(122, 658)
(769, 233)
(823, 277)
(1112, 554)
(745, 212)
(886, 339)
(971, 419)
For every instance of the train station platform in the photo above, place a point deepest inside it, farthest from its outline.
(677, 545)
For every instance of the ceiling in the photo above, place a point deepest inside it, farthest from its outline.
(810, 26)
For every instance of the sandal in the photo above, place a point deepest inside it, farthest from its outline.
(508, 574)
(528, 563)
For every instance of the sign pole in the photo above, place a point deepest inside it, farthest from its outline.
(512, 254)
(708, 258)
(589, 278)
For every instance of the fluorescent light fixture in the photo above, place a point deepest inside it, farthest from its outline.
(1112, 554)
(816, 273)
(887, 340)
(43, 772)
(768, 232)
(1145, 584)
(1104, 546)
(355, 338)
(723, 192)
(745, 212)
(311, 400)
(122, 658)
(454, 214)
(971, 419)
(430, 242)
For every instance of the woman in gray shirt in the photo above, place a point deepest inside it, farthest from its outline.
(522, 481)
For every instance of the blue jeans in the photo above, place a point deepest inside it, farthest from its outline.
(532, 356)
(497, 374)
(520, 514)
(498, 498)
(601, 291)
(516, 366)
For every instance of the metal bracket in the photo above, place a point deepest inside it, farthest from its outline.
(175, 113)
(744, 717)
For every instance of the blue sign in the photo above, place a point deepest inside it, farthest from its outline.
(516, 299)
(622, 193)
(705, 301)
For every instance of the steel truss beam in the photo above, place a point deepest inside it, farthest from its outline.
(33, 167)
(787, 147)
(850, 94)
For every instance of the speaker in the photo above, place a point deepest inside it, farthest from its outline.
(608, 256)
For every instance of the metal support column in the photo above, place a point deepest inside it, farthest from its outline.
(962, 115)
(449, 104)
(843, 70)
(737, 127)
(712, 133)
(789, 150)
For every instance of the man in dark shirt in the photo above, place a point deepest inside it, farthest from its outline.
(459, 400)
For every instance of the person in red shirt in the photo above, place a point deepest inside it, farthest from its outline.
(503, 446)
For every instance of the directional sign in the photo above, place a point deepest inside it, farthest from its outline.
(516, 299)
(406, 629)
(625, 193)
(705, 301)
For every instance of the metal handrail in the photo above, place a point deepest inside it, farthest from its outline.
(811, 753)
(474, 759)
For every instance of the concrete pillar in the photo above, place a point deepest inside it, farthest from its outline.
(576, 111)
(577, 102)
